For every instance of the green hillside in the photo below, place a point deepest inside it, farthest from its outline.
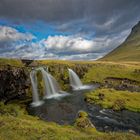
(129, 50)
(11, 62)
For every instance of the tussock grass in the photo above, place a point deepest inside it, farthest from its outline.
(117, 100)
(102, 70)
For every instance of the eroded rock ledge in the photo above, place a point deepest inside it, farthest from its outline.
(13, 83)
(122, 84)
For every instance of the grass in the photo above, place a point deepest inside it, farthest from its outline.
(127, 51)
(63, 62)
(117, 100)
(16, 124)
(102, 70)
(11, 62)
(92, 71)
(25, 127)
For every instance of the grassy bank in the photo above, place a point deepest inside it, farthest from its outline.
(117, 100)
(15, 124)
(102, 70)
(92, 71)
(11, 62)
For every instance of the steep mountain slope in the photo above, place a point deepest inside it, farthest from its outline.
(129, 50)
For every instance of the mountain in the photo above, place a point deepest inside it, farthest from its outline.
(129, 50)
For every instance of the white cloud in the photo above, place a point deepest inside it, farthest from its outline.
(67, 43)
(73, 44)
(57, 47)
(11, 34)
(87, 56)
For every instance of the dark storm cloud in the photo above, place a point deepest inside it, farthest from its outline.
(96, 12)
(102, 25)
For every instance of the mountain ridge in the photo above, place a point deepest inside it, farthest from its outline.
(129, 50)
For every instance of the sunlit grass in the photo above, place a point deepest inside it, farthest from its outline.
(100, 71)
(11, 62)
(117, 100)
(25, 127)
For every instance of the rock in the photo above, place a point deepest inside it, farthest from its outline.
(13, 83)
(122, 84)
(83, 121)
(101, 96)
(26, 61)
(132, 131)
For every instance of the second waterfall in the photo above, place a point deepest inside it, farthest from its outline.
(51, 87)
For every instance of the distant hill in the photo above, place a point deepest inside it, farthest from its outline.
(129, 50)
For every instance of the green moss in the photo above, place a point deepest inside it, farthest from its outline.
(82, 114)
(11, 109)
(119, 104)
(82, 121)
(116, 100)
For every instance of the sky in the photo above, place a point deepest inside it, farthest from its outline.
(65, 29)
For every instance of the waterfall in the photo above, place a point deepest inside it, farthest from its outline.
(36, 101)
(75, 81)
(51, 86)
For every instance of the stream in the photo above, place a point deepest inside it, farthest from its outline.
(63, 110)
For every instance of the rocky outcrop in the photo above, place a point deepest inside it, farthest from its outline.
(122, 84)
(13, 83)
(83, 121)
(26, 62)
(60, 72)
(15, 80)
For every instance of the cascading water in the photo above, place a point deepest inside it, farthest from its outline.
(35, 95)
(51, 87)
(75, 81)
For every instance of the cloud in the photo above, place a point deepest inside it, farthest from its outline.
(98, 15)
(11, 34)
(93, 27)
(56, 47)
(67, 43)
(77, 45)
(87, 56)
(11, 40)
(33, 51)
(65, 10)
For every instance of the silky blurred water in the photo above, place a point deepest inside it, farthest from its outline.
(63, 110)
